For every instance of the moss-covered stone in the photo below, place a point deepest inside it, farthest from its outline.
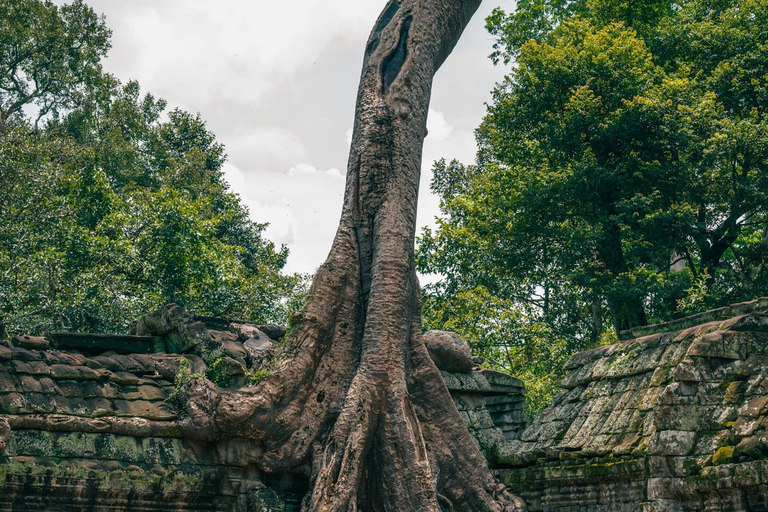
(725, 455)
(674, 407)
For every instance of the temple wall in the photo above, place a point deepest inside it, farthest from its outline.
(671, 422)
(60, 394)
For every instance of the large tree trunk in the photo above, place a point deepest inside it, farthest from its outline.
(356, 403)
(359, 402)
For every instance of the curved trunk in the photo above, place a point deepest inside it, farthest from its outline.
(359, 402)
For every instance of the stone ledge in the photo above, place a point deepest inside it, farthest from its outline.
(743, 308)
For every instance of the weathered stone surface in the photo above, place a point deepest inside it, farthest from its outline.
(449, 352)
(31, 342)
(493, 413)
(55, 468)
(180, 329)
(64, 402)
(5, 434)
(745, 308)
(673, 421)
(100, 343)
(275, 332)
(670, 422)
(168, 365)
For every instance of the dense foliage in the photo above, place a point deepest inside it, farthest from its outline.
(622, 176)
(110, 205)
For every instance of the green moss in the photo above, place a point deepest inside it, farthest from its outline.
(177, 399)
(734, 392)
(725, 455)
(150, 450)
(258, 376)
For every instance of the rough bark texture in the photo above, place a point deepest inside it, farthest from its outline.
(358, 402)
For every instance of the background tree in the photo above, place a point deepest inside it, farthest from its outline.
(108, 211)
(50, 55)
(622, 166)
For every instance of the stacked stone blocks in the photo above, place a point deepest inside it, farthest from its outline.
(57, 406)
(669, 422)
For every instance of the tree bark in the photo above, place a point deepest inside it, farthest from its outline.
(357, 404)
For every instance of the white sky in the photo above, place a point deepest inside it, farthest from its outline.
(276, 82)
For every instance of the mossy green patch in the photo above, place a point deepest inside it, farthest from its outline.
(725, 455)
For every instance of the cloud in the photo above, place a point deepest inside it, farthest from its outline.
(301, 204)
(438, 128)
(304, 169)
(276, 82)
(196, 49)
(272, 148)
(443, 141)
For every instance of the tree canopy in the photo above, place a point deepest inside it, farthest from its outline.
(622, 170)
(112, 205)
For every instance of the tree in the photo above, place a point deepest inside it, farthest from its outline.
(618, 147)
(369, 414)
(50, 55)
(508, 297)
(108, 211)
(620, 180)
(356, 404)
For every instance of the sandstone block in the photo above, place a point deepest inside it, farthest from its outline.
(124, 378)
(471, 382)
(449, 351)
(31, 342)
(275, 332)
(147, 392)
(754, 407)
(672, 442)
(234, 350)
(143, 409)
(94, 344)
(32, 368)
(23, 355)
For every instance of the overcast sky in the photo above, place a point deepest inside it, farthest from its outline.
(276, 82)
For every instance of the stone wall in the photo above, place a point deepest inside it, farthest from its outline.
(57, 404)
(491, 404)
(55, 458)
(714, 315)
(672, 422)
(675, 421)
(60, 395)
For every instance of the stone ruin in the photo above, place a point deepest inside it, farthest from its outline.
(59, 394)
(670, 422)
(676, 420)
